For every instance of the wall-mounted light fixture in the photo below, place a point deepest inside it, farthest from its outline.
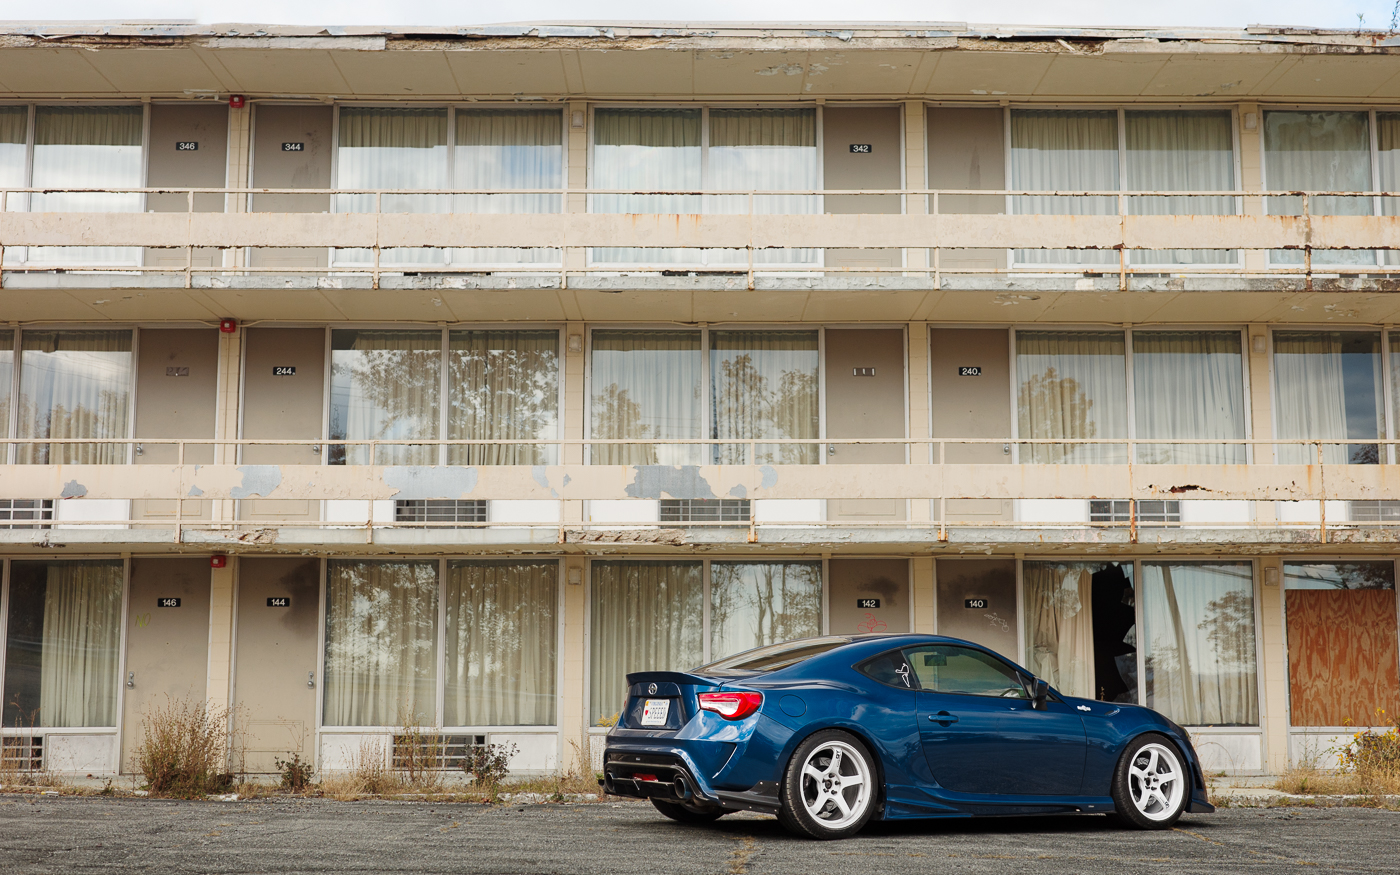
(576, 119)
(1259, 343)
(575, 343)
(575, 576)
(1251, 121)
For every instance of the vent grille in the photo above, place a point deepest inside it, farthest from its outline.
(22, 753)
(1120, 511)
(435, 511)
(704, 510)
(436, 752)
(13, 510)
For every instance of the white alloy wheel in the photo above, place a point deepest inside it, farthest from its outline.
(836, 783)
(1156, 781)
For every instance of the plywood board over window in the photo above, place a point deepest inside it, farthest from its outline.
(1342, 660)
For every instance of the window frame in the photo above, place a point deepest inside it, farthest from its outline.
(1021, 675)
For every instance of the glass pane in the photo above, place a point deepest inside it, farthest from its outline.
(646, 616)
(646, 150)
(502, 149)
(501, 631)
(74, 384)
(753, 604)
(1081, 634)
(961, 670)
(763, 384)
(381, 643)
(1180, 151)
(1198, 624)
(390, 148)
(14, 124)
(62, 642)
(776, 656)
(646, 384)
(1189, 385)
(763, 149)
(87, 147)
(1318, 151)
(1388, 162)
(1328, 385)
(1073, 386)
(384, 386)
(7, 375)
(1342, 643)
(503, 385)
(1057, 150)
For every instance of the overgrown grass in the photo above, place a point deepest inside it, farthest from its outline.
(184, 750)
(1369, 765)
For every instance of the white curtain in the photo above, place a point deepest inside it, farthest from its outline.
(1388, 162)
(500, 643)
(503, 385)
(14, 127)
(646, 384)
(1328, 386)
(1060, 625)
(1180, 151)
(381, 643)
(390, 148)
(1189, 384)
(74, 384)
(87, 147)
(762, 149)
(1058, 150)
(79, 649)
(508, 149)
(1198, 621)
(1073, 386)
(646, 150)
(385, 386)
(646, 616)
(7, 374)
(753, 604)
(764, 384)
(1318, 151)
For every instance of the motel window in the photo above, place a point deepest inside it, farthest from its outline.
(1081, 628)
(508, 149)
(651, 616)
(1199, 642)
(1329, 384)
(652, 384)
(385, 387)
(73, 384)
(1318, 151)
(503, 385)
(62, 643)
(1342, 660)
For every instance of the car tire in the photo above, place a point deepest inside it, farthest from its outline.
(1152, 783)
(682, 814)
(829, 790)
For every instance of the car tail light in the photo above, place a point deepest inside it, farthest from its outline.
(731, 706)
(640, 777)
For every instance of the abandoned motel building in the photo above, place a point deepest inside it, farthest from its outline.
(355, 373)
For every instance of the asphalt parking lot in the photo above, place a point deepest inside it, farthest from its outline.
(69, 834)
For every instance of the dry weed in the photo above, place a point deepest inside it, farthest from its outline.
(184, 751)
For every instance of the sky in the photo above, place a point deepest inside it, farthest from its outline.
(1206, 13)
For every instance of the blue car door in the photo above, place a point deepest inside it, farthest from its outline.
(980, 734)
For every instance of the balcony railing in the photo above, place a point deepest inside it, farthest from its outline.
(925, 226)
(936, 485)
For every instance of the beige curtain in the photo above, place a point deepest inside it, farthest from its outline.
(381, 642)
(1311, 387)
(646, 384)
(1198, 621)
(753, 604)
(74, 384)
(392, 148)
(762, 149)
(646, 616)
(14, 124)
(1064, 150)
(7, 373)
(1318, 151)
(1073, 386)
(1180, 151)
(503, 385)
(500, 643)
(1189, 384)
(385, 386)
(764, 384)
(646, 150)
(87, 147)
(508, 149)
(79, 649)
(1060, 625)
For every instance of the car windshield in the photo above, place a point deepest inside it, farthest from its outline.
(775, 656)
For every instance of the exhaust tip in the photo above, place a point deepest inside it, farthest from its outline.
(608, 785)
(682, 787)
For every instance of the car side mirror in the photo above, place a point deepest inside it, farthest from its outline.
(1041, 695)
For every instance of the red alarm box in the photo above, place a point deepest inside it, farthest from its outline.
(218, 560)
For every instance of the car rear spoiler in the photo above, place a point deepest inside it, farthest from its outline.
(671, 677)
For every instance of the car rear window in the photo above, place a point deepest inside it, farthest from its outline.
(775, 656)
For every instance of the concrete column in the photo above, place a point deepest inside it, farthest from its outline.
(219, 683)
(1252, 173)
(575, 406)
(921, 596)
(915, 172)
(576, 174)
(1261, 406)
(573, 719)
(1273, 670)
(240, 145)
(920, 510)
(226, 409)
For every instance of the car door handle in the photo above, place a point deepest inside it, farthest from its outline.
(943, 717)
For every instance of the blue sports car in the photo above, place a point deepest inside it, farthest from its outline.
(829, 732)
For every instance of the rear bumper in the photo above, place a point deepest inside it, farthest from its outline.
(671, 777)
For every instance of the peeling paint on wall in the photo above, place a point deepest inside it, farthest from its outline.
(682, 481)
(258, 481)
(420, 482)
(770, 477)
(739, 491)
(541, 475)
(73, 489)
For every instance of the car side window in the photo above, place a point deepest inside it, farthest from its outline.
(944, 668)
(890, 668)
